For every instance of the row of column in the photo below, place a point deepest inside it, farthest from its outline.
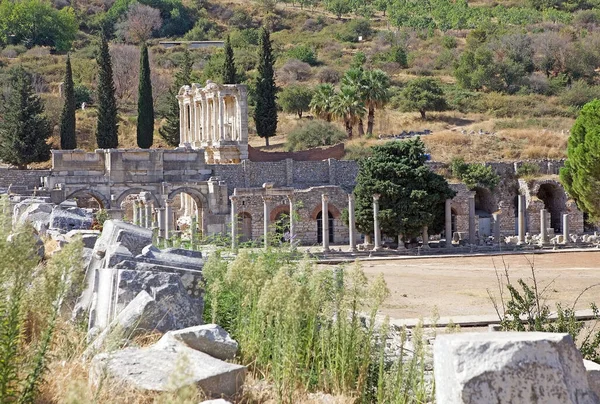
(205, 120)
(145, 215)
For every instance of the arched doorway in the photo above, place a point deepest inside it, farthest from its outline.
(554, 199)
(485, 205)
(320, 227)
(87, 198)
(188, 208)
(245, 226)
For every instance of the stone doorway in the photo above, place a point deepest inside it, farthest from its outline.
(320, 227)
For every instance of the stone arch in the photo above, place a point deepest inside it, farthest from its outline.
(198, 197)
(485, 203)
(333, 210)
(278, 210)
(554, 197)
(101, 199)
(133, 191)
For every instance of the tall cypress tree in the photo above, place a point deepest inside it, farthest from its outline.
(229, 65)
(24, 128)
(68, 140)
(145, 119)
(265, 112)
(107, 131)
(170, 130)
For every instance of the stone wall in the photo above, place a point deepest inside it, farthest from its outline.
(316, 154)
(21, 178)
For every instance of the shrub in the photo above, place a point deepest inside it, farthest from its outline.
(244, 38)
(579, 94)
(240, 19)
(294, 70)
(474, 175)
(82, 94)
(12, 51)
(528, 170)
(328, 75)
(203, 29)
(449, 42)
(350, 31)
(314, 134)
(304, 54)
(295, 99)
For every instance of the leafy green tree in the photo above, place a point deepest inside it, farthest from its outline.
(321, 103)
(412, 196)
(354, 79)
(474, 175)
(295, 99)
(265, 111)
(24, 128)
(145, 119)
(348, 106)
(229, 64)
(68, 139)
(424, 94)
(581, 174)
(107, 130)
(338, 7)
(314, 134)
(169, 131)
(304, 53)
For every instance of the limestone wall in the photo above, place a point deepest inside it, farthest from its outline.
(21, 178)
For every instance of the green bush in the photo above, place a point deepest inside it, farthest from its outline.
(203, 30)
(474, 175)
(528, 170)
(449, 42)
(303, 53)
(82, 94)
(350, 31)
(314, 134)
(579, 94)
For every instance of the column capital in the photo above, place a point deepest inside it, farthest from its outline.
(267, 198)
(376, 197)
(351, 197)
(291, 197)
(324, 197)
(234, 198)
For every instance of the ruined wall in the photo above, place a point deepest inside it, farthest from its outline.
(21, 179)
(317, 154)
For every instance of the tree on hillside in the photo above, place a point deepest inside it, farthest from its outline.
(354, 78)
(229, 74)
(424, 94)
(322, 101)
(412, 196)
(145, 119)
(348, 107)
(375, 94)
(24, 129)
(170, 129)
(338, 7)
(581, 174)
(139, 23)
(265, 111)
(107, 130)
(68, 140)
(295, 99)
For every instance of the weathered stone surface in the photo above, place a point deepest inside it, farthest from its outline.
(38, 214)
(169, 367)
(88, 237)
(209, 338)
(510, 367)
(593, 375)
(134, 238)
(70, 219)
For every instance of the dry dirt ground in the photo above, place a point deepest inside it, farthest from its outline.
(458, 286)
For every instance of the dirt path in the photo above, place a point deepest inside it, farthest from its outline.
(458, 286)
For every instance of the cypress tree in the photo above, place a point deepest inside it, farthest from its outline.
(68, 140)
(265, 112)
(145, 119)
(170, 130)
(107, 135)
(229, 65)
(24, 129)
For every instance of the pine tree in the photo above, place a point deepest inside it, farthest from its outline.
(229, 65)
(68, 140)
(24, 129)
(170, 130)
(145, 119)
(265, 112)
(107, 135)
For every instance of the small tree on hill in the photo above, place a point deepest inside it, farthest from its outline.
(581, 174)
(412, 196)
(170, 129)
(24, 129)
(265, 111)
(295, 99)
(145, 119)
(229, 74)
(107, 130)
(68, 140)
(424, 94)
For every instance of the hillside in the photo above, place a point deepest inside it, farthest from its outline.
(513, 74)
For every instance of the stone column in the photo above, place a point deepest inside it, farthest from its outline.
(148, 215)
(543, 227)
(376, 230)
(266, 211)
(136, 219)
(448, 215)
(472, 220)
(234, 222)
(496, 230)
(181, 121)
(521, 219)
(155, 218)
(565, 219)
(401, 246)
(425, 238)
(141, 214)
(161, 222)
(168, 218)
(325, 221)
(351, 223)
(292, 219)
(221, 117)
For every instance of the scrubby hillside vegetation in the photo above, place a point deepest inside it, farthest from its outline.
(490, 80)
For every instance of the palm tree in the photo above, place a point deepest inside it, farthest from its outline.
(375, 94)
(355, 78)
(320, 105)
(348, 106)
